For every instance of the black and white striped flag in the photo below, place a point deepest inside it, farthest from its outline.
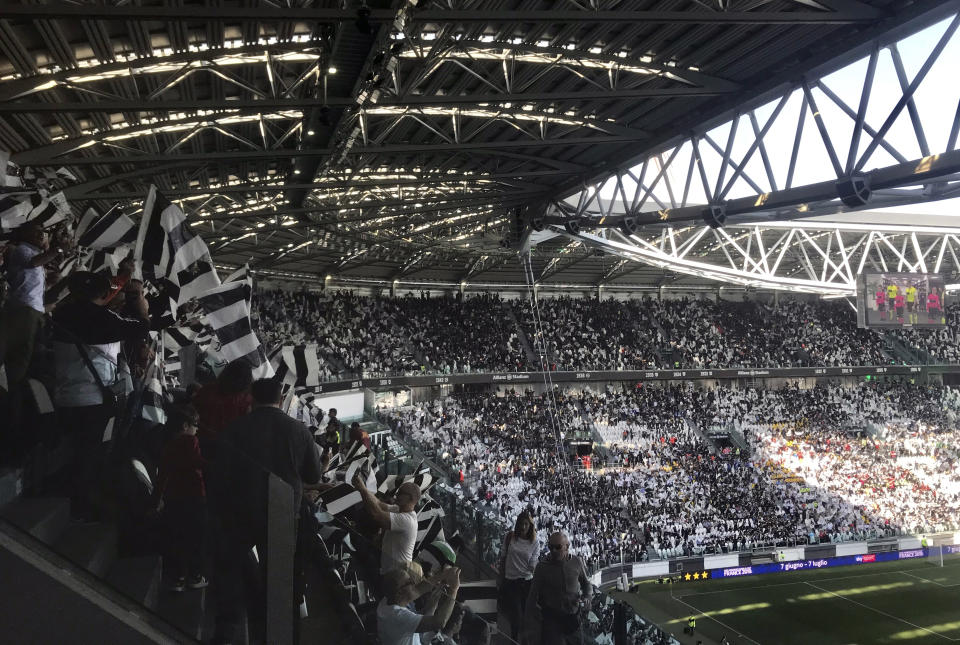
(176, 338)
(340, 498)
(18, 209)
(44, 175)
(302, 363)
(170, 252)
(227, 311)
(153, 389)
(480, 597)
(97, 260)
(388, 486)
(429, 524)
(241, 275)
(333, 536)
(110, 231)
(171, 360)
(391, 483)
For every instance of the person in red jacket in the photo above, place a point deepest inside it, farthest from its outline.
(183, 501)
(222, 401)
(898, 303)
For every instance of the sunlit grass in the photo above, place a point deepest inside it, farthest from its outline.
(856, 591)
(920, 633)
(725, 611)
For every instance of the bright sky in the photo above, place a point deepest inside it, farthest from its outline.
(936, 98)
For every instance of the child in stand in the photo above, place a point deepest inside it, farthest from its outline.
(183, 500)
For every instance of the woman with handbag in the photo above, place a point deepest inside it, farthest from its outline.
(86, 347)
(520, 554)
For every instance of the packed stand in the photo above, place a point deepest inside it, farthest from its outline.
(371, 336)
(455, 335)
(872, 459)
(826, 333)
(360, 335)
(664, 494)
(940, 344)
(354, 335)
(591, 334)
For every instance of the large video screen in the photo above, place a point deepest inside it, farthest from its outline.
(903, 300)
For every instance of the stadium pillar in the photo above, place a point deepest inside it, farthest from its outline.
(599, 292)
(463, 287)
(393, 288)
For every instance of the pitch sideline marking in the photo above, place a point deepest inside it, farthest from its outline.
(722, 624)
(939, 584)
(874, 609)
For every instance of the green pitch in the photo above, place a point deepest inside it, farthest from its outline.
(907, 603)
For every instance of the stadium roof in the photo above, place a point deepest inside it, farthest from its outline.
(400, 141)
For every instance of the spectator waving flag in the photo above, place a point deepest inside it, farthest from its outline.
(227, 309)
(170, 252)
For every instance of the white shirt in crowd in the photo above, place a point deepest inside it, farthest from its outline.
(26, 282)
(398, 542)
(521, 559)
(397, 625)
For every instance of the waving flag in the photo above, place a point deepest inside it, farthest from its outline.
(227, 309)
(110, 231)
(170, 252)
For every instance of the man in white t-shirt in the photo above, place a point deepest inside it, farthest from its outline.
(399, 522)
(22, 315)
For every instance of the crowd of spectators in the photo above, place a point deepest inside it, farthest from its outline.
(827, 464)
(370, 336)
(939, 344)
(354, 335)
(590, 334)
(379, 335)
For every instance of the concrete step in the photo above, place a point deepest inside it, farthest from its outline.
(90, 546)
(44, 518)
(138, 579)
(184, 610)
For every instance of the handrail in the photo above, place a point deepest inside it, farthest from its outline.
(681, 374)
